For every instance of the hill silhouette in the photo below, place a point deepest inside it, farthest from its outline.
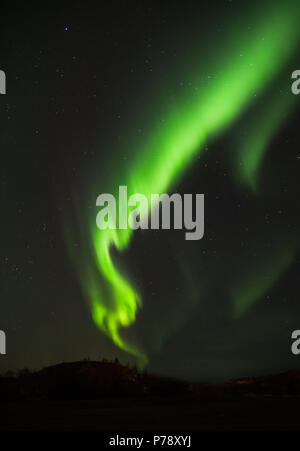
(87, 380)
(110, 396)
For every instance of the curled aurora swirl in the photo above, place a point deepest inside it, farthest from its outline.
(172, 145)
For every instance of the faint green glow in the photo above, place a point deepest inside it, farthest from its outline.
(252, 148)
(173, 144)
(261, 279)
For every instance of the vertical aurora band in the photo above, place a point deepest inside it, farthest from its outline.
(172, 145)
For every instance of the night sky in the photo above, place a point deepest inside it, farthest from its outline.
(90, 91)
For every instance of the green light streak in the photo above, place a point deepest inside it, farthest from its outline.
(259, 281)
(252, 150)
(170, 149)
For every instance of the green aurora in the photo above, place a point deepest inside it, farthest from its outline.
(239, 79)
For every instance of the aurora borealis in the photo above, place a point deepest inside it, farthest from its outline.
(171, 148)
(161, 100)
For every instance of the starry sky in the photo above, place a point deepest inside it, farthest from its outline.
(89, 88)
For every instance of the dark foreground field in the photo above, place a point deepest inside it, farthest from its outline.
(266, 413)
(107, 396)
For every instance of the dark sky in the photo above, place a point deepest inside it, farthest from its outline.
(83, 84)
